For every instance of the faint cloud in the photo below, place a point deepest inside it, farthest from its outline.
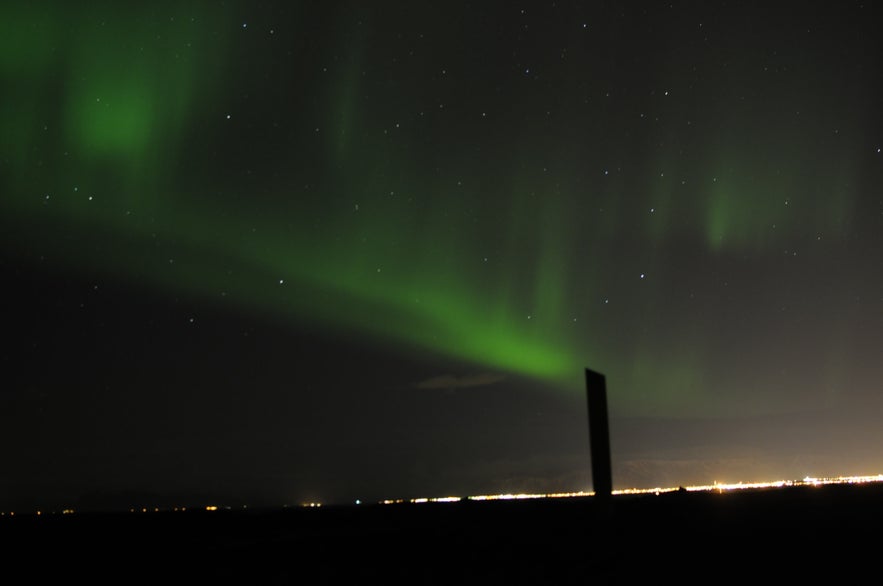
(450, 381)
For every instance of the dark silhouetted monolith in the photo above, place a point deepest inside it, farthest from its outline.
(599, 434)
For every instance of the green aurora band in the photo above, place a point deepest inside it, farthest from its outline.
(129, 148)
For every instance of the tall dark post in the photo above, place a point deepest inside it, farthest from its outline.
(599, 433)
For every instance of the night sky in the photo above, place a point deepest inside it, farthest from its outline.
(293, 251)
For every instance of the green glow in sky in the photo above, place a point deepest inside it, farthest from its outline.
(331, 188)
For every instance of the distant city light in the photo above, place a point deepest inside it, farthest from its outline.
(714, 487)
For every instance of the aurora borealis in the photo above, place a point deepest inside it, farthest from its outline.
(211, 210)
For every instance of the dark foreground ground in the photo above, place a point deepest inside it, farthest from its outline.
(787, 535)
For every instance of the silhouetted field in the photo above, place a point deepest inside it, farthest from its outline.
(787, 534)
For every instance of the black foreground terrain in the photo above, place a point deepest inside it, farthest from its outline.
(784, 534)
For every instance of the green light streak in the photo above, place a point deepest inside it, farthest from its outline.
(113, 117)
(120, 104)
